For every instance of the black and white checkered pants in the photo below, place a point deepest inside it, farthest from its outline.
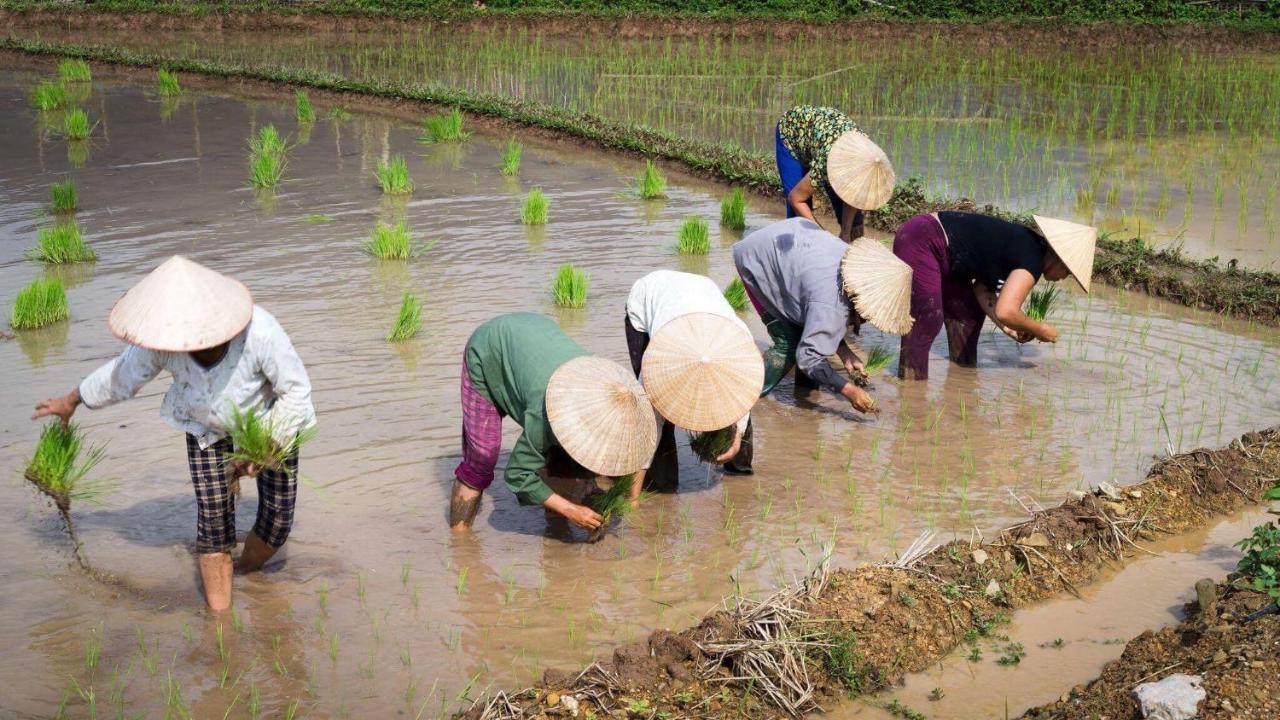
(215, 506)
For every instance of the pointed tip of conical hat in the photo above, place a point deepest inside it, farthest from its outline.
(879, 283)
(601, 416)
(181, 306)
(1074, 243)
(702, 372)
(859, 171)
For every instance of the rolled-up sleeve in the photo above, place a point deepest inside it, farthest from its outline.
(824, 329)
(121, 378)
(292, 411)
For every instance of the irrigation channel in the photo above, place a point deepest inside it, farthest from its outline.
(378, 609)
(1170, 144)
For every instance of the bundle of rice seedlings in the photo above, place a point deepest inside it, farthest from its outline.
(694, 238)
(733, 210)
(394, 177)
(710, 445)
(302, 104)
(62, 243)
(74, 70)
(878, 359)
(511, 157)
(1041, 301)
(651, 184)
(42, 302)
(446, 127)
(612, 504)
(62, 196)
(167, 83)
(736, 294)
(534, 210)
(409, 321)
(253, 440)
(75, 124)
(339, 114)
(266, 158)
(569, 288)
(60, 463)
(49, 96)
(389, 242)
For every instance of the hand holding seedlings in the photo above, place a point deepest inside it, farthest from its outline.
(62, 407)
(580, 515)
(859, 399)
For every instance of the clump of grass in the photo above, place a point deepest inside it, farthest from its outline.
(49, 96)
(389, 242)
(534, 210)
(62, 243)
(733, 210)
(62, 196)
(266, 158)
(74, 70)
(612, 504)
(339, 114)
(445, 127)
(302, 104)
(167, 83)
(409, 321)
(1041, 301)
(394, 177)
(878, 359)
(318, 219)
(511, 155)
(736, 295)
(569, 287)
(60, 463)
(75, 124)
(253, 440)
(694, 238)
(710, 445)
(651, 184)
(42, 302)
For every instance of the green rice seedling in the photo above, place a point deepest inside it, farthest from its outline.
(652, 184)
(389, 242)
(710, 445)
(569, 287)
(394, 177)
(694, 238)
(49, 96)
(253, 440)
(167, 83)
(75, 124)
(74, 70)
(339, 114)
(445, 127)
(318, 219)
(733, 210)
(511, 155)
(267, 152)
(1041, 301)
(534, 210)
(736, 295)
(62, 196)
(60, 463)
(302, 104)
(42, 302)
(409, 321)
(612, 504)
(62, 243)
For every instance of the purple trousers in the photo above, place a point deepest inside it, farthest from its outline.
(936, 299)
(481, 437)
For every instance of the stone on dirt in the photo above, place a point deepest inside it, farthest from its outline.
(1207, 596)
(1176, 697)
(979, 557)
(993, 589)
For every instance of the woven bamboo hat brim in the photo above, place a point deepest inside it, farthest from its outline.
(1074, 243)
(601, 416)
(181, 306)
(859, 171)
(879, 283)
(702, 372)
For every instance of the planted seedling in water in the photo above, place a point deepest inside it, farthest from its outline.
(339, 114)
(74, 70)
(733, 210)
(394, 177)
(62, 196)
(62, 243)
(389, 242)
(534, 210)
(49, 96)
(60, 464)
(266, 158)
(651, 185)
(1042, 300)
(445, 127)
(302, 105)
(253, 440)
(75, 125)
(167, 83)
(569, 288)
(614, 503)
(710, 445)
(511, 155)
(877, 360)
(694, 238)
(42, 302)
(409, 321)
(735, 293)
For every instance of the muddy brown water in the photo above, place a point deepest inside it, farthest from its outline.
(377, 609)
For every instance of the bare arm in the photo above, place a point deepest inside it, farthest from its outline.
(799, 198)
(1007, 308)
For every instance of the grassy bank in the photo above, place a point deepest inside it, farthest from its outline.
(1133, 264)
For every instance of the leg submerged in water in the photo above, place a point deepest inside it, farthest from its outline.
(215, 519)
(481, 443)
(464, 502)
(277, 497)
(922, 244)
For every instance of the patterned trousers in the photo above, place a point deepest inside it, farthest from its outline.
(215, 505)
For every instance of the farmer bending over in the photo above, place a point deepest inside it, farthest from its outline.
(522, 366)
(224, 353)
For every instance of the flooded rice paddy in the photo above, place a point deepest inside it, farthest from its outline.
(1174, 145)
(377, 608)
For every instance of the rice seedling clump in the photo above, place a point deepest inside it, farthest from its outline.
(878, 359)
(409, 321)
(266, 158)
(253, 440)
(694, 238)
(612, 504)
(167, 83)
(733, 210)
(339, 115)
(60, 463)
(710, 445)
(74, 70)
(651, 184)
(736, 295)
(302, 103)
(62, 196)
(534, 210)
(62, 243)
(75, 124)
(49, 96)
(1041, 301)
(394, 177)
(42, 302)
(569, 288)
(445, 127)
(389, 242)
(511, 155)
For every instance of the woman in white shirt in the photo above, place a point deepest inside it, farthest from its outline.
(225, 354)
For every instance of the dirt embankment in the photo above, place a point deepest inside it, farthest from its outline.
(857, 631)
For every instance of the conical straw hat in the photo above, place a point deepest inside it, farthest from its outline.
(859, 171)
(601, 417)
(181, 306)
(702, 372)
(1074, 243)
(879, 283)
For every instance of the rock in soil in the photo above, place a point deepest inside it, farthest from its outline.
(1176, 697)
